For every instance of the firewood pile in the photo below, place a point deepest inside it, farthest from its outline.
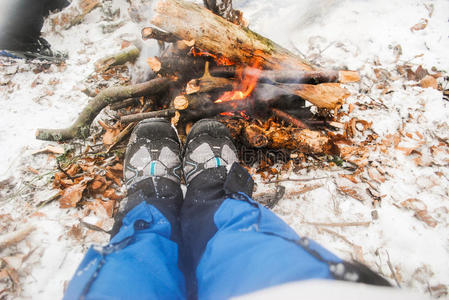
(212, 66)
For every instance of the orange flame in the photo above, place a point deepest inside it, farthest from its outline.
(248, 82)
(220, 60)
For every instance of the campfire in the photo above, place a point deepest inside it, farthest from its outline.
(212, 66)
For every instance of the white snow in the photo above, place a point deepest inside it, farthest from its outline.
(355, 34)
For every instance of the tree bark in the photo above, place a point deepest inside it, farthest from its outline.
(129, 54)
(80, 128)
(305, 141)
(189, 21)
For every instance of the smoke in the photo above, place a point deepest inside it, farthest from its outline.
(6, 9)
(297, 16)
(141, 12)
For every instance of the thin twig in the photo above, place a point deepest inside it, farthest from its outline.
(63, 171)
(15, 237)
(339, 236)
(93, 227)
(390, 266)
(121, 135)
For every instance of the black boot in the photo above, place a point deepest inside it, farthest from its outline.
(20, 29)
(152, 170)
(208, 145)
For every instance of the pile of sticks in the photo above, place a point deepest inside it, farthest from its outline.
(203, 55)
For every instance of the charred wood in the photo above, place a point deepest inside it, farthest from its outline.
(154, 33)
(189, 21)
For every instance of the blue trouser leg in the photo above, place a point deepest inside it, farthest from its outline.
(239, 247)
(141, 260)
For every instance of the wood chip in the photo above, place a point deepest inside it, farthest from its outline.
(420, 26)
(50, 149)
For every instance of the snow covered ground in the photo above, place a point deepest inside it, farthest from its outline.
(404, 237)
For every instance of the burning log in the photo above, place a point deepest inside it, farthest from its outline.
(80, 128)
(305, 141)
(208, 83)
(199, 106)
(325, 95)
(154, 33)
(189, 21)
(291, 76)
(185, 66)
(288, 118)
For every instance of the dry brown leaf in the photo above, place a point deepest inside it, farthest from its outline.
(109, 136)
(375, 175)
(429, 82)
(420, 26)
(33, 170)
(414, 204)
(112, 177)
(350, 178)
(75, 232)
(110, 194)
(424, 216)
(350, 192)
(72, 195)
(73, 170)
(109, 207)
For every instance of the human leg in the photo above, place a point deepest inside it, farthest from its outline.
(236, 245)
(141, 260)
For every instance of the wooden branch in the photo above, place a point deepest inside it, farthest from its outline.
(15, 237)
(74, 14)
(291, 76)
(289, 119)
(164, 113)
(208, 83)
(154, 33)
(80, 128)
(189, 21)
(129, 54)
(124, 103)
(177, 65)
(200, 106)
(324, 95)
(117, 139)
(305, 141)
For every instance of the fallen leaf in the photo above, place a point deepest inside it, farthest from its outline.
(350, 192)
(420, 26)
(413, 204)
(112, 177)
(349, 177)
(429, 82)
(33, 170)
(72, 195)
(424, 216)
(109, 207)
(375, 175)
(110, 194)
(109, 136)
(75, 232)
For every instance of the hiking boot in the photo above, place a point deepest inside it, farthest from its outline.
(152, 171)
(208, 145)
(153, 151)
